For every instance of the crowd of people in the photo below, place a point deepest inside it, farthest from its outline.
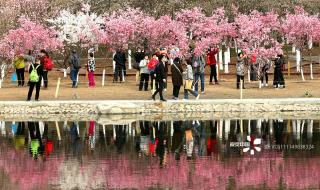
(152, 70)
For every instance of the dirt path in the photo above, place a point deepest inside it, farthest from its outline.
(295, 88)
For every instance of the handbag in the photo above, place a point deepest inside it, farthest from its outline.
(188, 84)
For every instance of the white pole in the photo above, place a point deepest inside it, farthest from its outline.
(298, 59)
(217, 69)
(2, 72)
(129, 59)
(220, 59)
(103, 76)
(0, 83)
(260, 84)
(249, 79)
(77, 78)
(225, 62)
(113, 62)
(65, 73)
(310, 44)
(311, 71)
(302, 75)
(241, 83)
(57, 89)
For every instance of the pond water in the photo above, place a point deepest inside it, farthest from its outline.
(212, 154)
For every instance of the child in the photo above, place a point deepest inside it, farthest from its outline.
(91, 68)
(36, 73)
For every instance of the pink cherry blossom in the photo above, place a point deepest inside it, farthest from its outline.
(29, 35)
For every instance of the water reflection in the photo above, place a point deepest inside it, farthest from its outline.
(216, 154)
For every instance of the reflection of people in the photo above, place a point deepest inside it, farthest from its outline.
(212, 141)
(36, 146)
(120, 137)
(162, 148)
(177, 139)
(189, 143)
(19, 139)
(75, 139)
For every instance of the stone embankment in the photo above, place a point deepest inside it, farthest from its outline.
(147, 107)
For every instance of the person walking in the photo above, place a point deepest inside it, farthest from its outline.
(75, 66)
(160, 75)
(151, 67)
(188, 86)
(265, 66)
(145, 74)
(240, 69)
(35, 77)
(19, 65)
(278, 81)
(199, 66)
(212, 62)
(91, 68)
(177, 81)
(120, 59)
(47, 66)
(138, 57)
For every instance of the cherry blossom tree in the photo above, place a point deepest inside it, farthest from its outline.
(83, 28)
(29, 35)
(299, 28)
(257, 34)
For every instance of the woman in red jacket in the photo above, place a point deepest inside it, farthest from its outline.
(211, 60)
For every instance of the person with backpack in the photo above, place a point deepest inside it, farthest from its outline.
(91, 68)
(144, 71)
(199, 68)
(47, 65)
(19, 65)
(160, 75)
(75, 66)
(35, 77)
(177, 81)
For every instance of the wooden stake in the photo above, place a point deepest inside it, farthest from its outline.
(57, 89)
(103, 76)
(58, 131)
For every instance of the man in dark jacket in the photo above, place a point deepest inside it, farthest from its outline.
(120, 69)
(160, 72)
(177, 81)
(138, 57)
(74, 63)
